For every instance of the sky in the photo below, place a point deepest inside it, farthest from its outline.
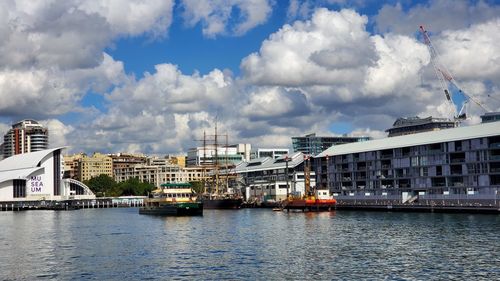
(151, 76)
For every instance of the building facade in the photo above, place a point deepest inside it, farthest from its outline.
(38, 176)
(313, 145)
(490, 117)
(265, 179)
(210, 156)
(460, 164)
(24, 137)
(159, 174)
(93, 166)
(274, 153)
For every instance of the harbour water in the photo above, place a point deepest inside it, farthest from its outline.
(248, 244)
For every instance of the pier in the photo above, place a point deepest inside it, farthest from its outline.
(442, 206)
(72, 204)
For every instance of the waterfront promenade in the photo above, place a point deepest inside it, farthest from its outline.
(103, 202)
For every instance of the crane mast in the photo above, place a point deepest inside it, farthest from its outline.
(445, 77)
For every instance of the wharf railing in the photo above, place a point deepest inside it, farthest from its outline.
(73, 204)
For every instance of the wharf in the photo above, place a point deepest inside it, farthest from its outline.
(421, 208)
(71, 204)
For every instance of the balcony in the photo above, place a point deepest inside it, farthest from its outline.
(495, 145)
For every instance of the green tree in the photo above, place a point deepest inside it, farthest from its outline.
(102, 185)
(134, 187)
(197, 186)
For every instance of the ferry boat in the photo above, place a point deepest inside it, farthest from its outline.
(320, 200)
(173, 199)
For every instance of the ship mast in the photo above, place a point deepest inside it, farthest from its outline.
(216, 167)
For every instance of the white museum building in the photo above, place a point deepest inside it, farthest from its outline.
(38, 176)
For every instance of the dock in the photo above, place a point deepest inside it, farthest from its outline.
(71, 204)
(415, 207)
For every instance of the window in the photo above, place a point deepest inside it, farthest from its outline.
(19, 190)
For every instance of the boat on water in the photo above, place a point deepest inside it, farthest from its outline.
(319, 200)
(222, 202)
(173, 199)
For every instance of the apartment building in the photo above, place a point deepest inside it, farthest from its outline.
(458, 164)
(24, 137)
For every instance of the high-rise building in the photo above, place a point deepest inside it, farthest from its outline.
(24, 137)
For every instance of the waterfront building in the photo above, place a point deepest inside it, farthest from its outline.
(490, 117)
(159, 174)
(179, 160)
(267, 178)
(274, 153)
(243, 149)
(97, 164)
(455, 165)
(71, 165)
(36, 176)
(126, 160)
(412, 125)
(24, 137)
(209, 156)
(1, 151)
(313, 145)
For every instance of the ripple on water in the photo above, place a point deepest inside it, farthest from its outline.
(111, 244)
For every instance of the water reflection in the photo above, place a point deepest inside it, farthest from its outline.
(107, 244)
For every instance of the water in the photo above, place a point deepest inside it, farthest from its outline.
(248, 244)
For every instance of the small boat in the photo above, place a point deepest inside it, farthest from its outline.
(173, 199)
(320, 200)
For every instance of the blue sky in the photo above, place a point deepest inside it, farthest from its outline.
(269, 70)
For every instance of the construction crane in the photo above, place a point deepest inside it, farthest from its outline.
(446, 78)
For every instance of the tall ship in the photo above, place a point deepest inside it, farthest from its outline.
(217, 193)
(214, 157)
(173, 199)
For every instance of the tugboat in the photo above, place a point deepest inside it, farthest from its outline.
(173, 199)
(317, 200)
(320, 200)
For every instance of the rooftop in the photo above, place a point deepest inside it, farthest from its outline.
(452, 134)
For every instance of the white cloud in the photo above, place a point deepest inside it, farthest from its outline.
(400, 60)
(348, 75)
(275, 102)
(435, 15)
(133, 17)
(308, 52)
(58, 132)
(73, 34)
(307, 77)
(472, 53)
(38, 93)
(218, 17)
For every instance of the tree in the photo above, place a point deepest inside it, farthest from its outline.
(134, 187)
(197, 186)
(102, 185)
